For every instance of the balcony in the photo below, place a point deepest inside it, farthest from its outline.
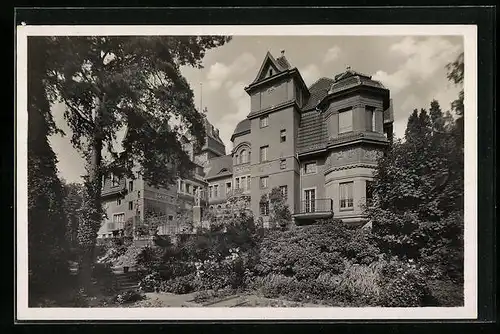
(315, 209)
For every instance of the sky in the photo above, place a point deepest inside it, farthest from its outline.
(411, 67)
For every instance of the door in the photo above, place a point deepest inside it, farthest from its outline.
(310, 202)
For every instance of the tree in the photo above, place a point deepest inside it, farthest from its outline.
(73, 202)
(279, 210)
(108, 83)
(47, 249)
(456, 75)
(418, 211)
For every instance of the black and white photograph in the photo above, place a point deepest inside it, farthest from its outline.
(246, 172)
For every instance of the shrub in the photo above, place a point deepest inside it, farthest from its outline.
(445, 293)
(180, 284)
(308, 251)
(152, 282)
(402, 284)
(129, 296)
(102, 274)
(149, 258)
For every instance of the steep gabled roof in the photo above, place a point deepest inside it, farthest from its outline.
(220, 167)
(283, 62)
(269, 60)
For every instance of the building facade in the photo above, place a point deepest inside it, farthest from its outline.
(126, 198)
(318, 144)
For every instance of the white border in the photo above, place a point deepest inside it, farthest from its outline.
(468, 311)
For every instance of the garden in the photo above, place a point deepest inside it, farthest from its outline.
(326, 264)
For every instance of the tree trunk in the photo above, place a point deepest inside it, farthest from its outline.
(93, 220)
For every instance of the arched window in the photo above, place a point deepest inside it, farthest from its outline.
(243, 156)
(237, 160)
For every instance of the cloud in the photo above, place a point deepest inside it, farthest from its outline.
(310, 74)
(241, 103)
(218, 73)
(424, 57)
(332, 54)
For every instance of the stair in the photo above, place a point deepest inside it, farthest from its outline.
(127, 281)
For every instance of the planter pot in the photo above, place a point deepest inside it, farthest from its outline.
(125, 269)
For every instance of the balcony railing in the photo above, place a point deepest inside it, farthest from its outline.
(315, 208)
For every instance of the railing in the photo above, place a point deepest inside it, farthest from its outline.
(316, 205)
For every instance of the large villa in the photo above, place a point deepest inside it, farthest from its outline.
(318, 144)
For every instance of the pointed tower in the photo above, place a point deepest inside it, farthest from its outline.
(277, 94)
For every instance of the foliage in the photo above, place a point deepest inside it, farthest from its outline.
(180, 284)
(152, 282)
(102, 274)
(402, 284)
(130, 296)
(307, 252)
(279, 210)
(424, 174)
(111, 82)
(128, 228)
(47, 247)
(456, 75)
(73, 201)
(419, 189)
(445, 293)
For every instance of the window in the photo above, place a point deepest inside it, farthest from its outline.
(138, 194)
(283, 164)
(188, 188)
(237, 183)
(170, 217)
(130, 186)
(310, 200)
(263, 153)
(369, 193)
(264, 208)
(264, 121)
(345, 121)
(370, 119)
(131, 205)
(346, 199)
(114, 180)
(264, 182)
(310, 168)
(248, 182)
(118, 201)
(284, 191)
(210, 191)
(216, 190)
(243, 156)
(270, 72)
(237, 159)
(283, 136)
(118, 218)
(228, 187)
(243, 183)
